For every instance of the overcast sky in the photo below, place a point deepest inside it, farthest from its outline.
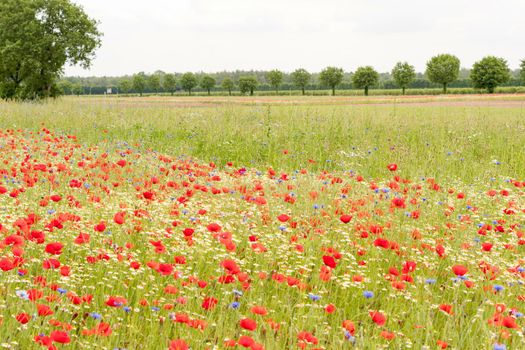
(217, 35)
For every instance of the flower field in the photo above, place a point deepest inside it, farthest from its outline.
(116, 245)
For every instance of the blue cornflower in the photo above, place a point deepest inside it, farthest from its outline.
(22, 294)
(498, 288)
(155, 308)
(61, 290)
(237, 293)
(430, 281)
(314, 297)
(126, 308)
(95, 315)
(235, 305)
(499, 347)
(350, 337)
(368, 294)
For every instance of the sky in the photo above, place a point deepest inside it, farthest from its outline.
(219, 35)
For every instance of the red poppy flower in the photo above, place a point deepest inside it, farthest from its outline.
(54, 248)
(378, 318)
(178, 344)
(23, 318)
(209, 303)
(329, 261)
(283, 218)
(459, 270)
(345, 218)
(60, 337)
(248, 324)
(246, 341)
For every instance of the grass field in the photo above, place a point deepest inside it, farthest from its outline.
(275, 223)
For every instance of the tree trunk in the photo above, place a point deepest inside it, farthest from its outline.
(491, 89)
(445, 88)
(251, 92)
(366, 90)
(230, 92)
(171, 93)
(403, 90)
(333, 90)
(303, 91)
(209, 93)
(189, 92)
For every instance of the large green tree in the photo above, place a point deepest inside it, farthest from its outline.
(301, 78)
(364, 78)
(139, 82)
(489, 72)
(208, 83)
(124, 86)
(443, 69)
(331, 77)
(403, 74)
(248, 84)
(37, 39)
(188, 81)
(169, 83)
(522, 71)
(275, 79)
(227, 84)
(154, 82)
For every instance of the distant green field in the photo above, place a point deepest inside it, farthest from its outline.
(432, 137)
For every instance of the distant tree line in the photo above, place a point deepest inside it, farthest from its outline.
(442, 71)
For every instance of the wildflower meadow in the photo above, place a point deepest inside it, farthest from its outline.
(130, 223)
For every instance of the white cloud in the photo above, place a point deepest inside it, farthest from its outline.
(212, 35)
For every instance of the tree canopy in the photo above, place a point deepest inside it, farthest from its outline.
(443, 69)
(489, 72)
(37, 39)
(275, 79)
(403, 74)
(364, 78)
(522, 71)
(248, 84)
(227, 84)
(188, 81)
(301, 78)
(169, 83)
(139, 82)
(125, 86)
(154, 82)
(331, 77)
(207, 83)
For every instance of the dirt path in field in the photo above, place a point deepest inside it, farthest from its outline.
(492, 101)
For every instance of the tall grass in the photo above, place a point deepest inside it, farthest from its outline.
(465, 142)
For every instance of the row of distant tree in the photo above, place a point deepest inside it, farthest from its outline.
(441, 70)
